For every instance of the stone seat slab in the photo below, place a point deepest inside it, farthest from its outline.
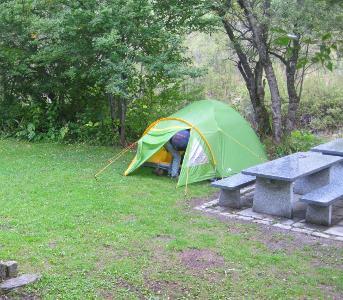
(17, 282)
(320, 203)
(234, 182)
(324, 196)
(230, 194)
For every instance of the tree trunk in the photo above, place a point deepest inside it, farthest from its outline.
(122, 121)
(260, 108)
(276, 100)
(253, 80)
(293, 96)
(112, 111)
(259, 36)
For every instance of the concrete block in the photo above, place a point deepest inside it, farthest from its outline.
(336, 230)
(274, 197)
(3, 272)
(234, 182)
(11, 268)
(319, 215)
(264, 222)
(288, 222)
(229, 198)
(302, 230)
(299, 225)
(228, 215)
(282, 226)
(311, 182)
(244, 218)
(337, 173)
(320, 234)
(250, 213)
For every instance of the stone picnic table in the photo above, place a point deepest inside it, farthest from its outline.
(335, 148)
(277, 180)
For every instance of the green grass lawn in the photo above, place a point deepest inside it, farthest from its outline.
(137, 237)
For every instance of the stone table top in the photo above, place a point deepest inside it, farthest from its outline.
(294, 166)
(334, 147)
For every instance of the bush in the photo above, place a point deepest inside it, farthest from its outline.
(297, 141)
(44, 121)
(322, 112)
(87, 121)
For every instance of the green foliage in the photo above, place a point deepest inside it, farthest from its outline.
(322, 107)
(314, 25)
(325, 114)
(297, 141)
(60, 60)
(42, 122)
(142, 112)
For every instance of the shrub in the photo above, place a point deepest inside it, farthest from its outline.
(322, 112)
(297, 141)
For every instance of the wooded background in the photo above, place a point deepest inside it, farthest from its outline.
(101, 71)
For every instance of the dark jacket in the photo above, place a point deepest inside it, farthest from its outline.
(180, 140)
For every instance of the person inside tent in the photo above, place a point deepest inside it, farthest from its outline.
(177, 143)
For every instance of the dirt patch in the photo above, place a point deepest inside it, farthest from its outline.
(193, 202)
(52, 244)
(201, 264)
(128, 219)
(106, 295)
(19, 295)
(196, 259)
(161, 259)
(275, 238)
(5, 224)
(122, 283)
(326, 256)
(331, 293)
(163, 238)
(324, 252)
(166, 288)
(107, 254)
(290, 242)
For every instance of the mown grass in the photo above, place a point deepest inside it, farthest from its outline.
(121, 237)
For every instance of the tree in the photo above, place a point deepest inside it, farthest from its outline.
(248, 63)
(264, 32)
(302, 37)
(78, 54)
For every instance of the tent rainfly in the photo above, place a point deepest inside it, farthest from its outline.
(221, 142)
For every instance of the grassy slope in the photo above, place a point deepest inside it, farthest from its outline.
(121, 237)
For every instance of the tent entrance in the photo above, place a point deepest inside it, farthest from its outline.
(197, 162)
(161, 159)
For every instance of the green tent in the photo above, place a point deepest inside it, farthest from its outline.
(221, 142)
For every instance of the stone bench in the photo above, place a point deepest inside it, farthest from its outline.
(9, 280)
(320, 201)
(230, 194)
(17, 282)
